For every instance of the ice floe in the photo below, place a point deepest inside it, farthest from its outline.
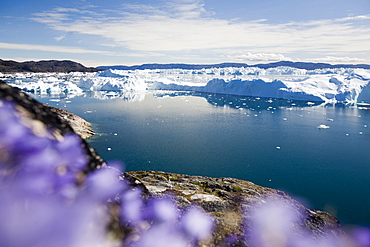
(323, 126)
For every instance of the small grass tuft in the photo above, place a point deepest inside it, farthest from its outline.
(237, 188)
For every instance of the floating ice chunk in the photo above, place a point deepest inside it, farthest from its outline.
(323, 126)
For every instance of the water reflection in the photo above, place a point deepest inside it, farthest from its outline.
(255, 102)
(60, 95)
(101, 95)
(219, 100)
(243, 102)
(131, 96)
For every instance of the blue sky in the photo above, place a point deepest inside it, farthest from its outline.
(110, 32)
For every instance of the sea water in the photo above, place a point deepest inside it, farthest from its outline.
(318, 153)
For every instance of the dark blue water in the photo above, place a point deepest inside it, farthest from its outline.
(273, 143)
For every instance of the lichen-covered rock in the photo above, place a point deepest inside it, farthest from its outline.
(78, 124)
(230, 201)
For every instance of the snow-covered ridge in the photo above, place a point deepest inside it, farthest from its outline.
(328, 85)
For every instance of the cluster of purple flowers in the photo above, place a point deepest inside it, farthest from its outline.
(47, 199)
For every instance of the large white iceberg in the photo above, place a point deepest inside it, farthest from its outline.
(350, 85)
(45, 85)
(112, 80)
(328, 85)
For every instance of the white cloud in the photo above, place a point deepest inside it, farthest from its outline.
(59, 38)
(185, 25)
(359, 17)
(49, 48)
(76, 50)
(331, 59)
(258, 57)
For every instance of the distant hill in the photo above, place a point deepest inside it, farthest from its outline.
(299, 65)
(173, 66)
(310, 66)
(8, 66)
(43, 66)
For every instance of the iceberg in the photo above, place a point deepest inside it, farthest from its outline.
(47, 85)
(323, 126)
(74, 82)
(111, 84)
(349, 86)
(345, 85)
(112, 80)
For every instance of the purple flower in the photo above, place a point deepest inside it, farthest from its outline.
(104, 184)
(162, 236)
(45, 220)
(197, 224)
(275, 223)
(71, 150)
(361, 236)
(272, 224)
(11, 131)
(132, 207)
(162, 210)
(41, 203)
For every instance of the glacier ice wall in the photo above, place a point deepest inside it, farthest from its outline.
(328, 85)
(324, 85)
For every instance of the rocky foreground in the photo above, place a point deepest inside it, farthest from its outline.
(229, 200)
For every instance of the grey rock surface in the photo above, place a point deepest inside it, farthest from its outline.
(78, 124)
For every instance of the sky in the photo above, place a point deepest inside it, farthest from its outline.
(130, 32)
